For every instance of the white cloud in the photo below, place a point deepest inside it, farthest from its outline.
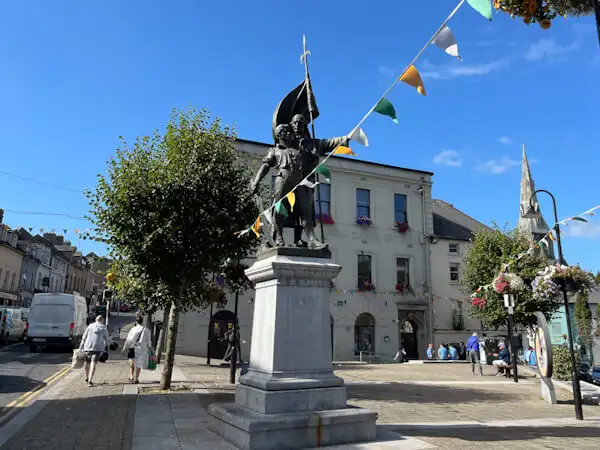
(582, 229)
(457, 70)
(497, 166)
(549, 49)
(447, 157)
(505, 140)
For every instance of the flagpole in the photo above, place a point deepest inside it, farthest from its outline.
(304, 59)
(411, 63)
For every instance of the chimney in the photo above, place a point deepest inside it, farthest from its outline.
(1, 215)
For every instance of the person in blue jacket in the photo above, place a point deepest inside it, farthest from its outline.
(473, 353)
(453, 352)
(442, 352)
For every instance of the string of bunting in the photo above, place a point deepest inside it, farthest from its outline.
(543, 242)
(444, 39)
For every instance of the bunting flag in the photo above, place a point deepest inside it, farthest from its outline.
(590, 212)
(447, 42)
(291, 196)
(76, 231)
(41, 230)
(324, 171)
(579, 219)
(64, 231)
(483, 7)
(358, 135)
(551, 236)
(280, 209)
(412, 77)
(30, 229)
(309, 184)
(269, 216)
(341, 150)
(256, 227)
(385, 108)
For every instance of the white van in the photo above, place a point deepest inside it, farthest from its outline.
(12, 325)
(56, 320)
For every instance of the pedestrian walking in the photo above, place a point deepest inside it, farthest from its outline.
(473, 352)
(462, 351)
(442, 352)
(93, 343)
(138, 345)
(452, 353)
(430, 352)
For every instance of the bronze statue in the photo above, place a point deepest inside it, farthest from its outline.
(295, 155)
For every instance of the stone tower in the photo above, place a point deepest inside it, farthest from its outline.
(535, 227)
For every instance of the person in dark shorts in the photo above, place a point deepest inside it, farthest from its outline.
(94, 342)
(137, 345)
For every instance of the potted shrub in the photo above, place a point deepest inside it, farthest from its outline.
(364, 221)
(402, 227)
(325, 218)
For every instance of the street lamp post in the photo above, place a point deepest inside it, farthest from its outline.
(509, 303)
(533, 212)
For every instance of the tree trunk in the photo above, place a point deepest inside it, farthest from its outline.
(165, 382)
(161, 335)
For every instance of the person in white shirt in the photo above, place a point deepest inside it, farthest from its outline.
(137, 344)
(93, 343)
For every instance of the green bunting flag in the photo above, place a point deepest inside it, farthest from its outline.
(386, 108)
(580, 219)
(483, 7)
(324, 171)
(280, 209)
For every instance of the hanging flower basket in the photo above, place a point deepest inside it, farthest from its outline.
(544, 11)
(402, 227)
(402, 288)
(548, 282)
(216, 295)
(508, 283)
(478, 299)
(325, 218)
(366, 286)
(364, 221)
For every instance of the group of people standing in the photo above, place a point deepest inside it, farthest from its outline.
(96, 340)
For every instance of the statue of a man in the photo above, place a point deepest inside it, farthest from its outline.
(312, 150)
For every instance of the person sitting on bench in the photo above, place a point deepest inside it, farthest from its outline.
(503, 361)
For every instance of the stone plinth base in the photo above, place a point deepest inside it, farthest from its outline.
(250, 430)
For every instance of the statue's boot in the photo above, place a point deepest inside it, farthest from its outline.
(298, 238)
(315, 244)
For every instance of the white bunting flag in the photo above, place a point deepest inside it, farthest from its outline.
(308, 184)
(446, 41)
(590, 212)
(358, 135)
(268, 216)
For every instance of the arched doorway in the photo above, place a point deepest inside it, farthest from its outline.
(220, 323)
(408, 339)
(364, 334)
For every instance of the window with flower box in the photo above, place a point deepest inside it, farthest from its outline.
(454, 272)
(364, 281)
(402, 274)
(363, 203)
(400, 213)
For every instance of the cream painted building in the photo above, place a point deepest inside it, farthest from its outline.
(372, 322)
(11, 261)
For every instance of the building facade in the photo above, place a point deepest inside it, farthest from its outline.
(382, 296)
(11, 263)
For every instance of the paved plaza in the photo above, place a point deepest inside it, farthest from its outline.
(419, 406)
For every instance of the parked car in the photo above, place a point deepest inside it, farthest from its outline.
(56, 320)
(125, 307)
(12, 325)
(595, 373)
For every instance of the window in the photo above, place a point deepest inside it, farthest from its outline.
(6, 277)
(0, 277)
(325, 191)
(13, 284)
(453, 247)
(400, 208)
(363, 203)
(364, 334)
(454, 272)
(402, 272)
(39, 282)
(364, 271)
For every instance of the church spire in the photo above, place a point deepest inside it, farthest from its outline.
(536, 227)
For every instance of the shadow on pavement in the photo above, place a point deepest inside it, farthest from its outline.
(482, 433)
(12, 383)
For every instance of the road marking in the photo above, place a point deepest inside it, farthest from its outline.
(28, 396)
(8, 347)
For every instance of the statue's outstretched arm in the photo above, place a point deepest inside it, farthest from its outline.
(329, 145)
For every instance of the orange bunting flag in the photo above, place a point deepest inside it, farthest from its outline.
(256, 227)
(76, 231)
(291, 196)
(412, 77)
(341, 150)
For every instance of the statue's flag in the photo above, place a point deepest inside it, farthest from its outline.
(483, 7)
(447, 42)
(342, 150)
(296, 102)
(412, 77)
(386, 108)
(358, 135)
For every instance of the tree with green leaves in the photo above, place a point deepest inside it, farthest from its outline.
(490, 250)
(168, 209)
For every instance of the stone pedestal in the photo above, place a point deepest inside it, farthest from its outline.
(290, 397)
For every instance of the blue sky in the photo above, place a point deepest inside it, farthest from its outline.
(76, 75)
